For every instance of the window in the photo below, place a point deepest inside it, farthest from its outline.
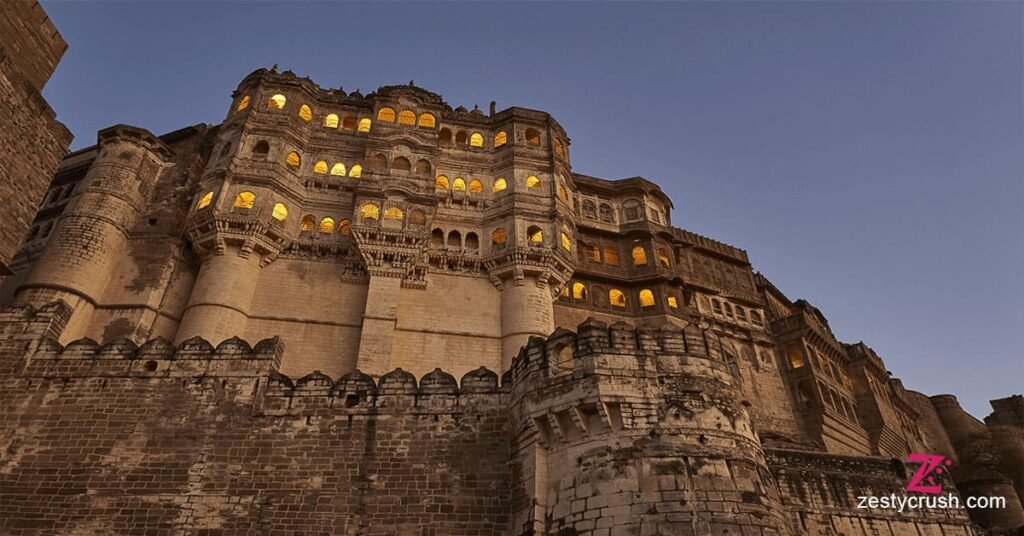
(631, 209)
(716, 306)
(593, 252)
(242, 104)
(386, 114)
(617, 298)
(728, 309)
(349, 123)
(606, 213)
(261, 149)
(639, 256)
(476, 186)
(293, 160)
(320, 167)
(401, 164)
(338, 169)
(364, 124)
(498, 237)
(407, 117)
(344, 227)
(393, 213)
(795, 356)
(472, 241)
(417, 217)
(579, 291)
(245, 200)
(205, 200)
(611, 255)
(561, 192)
(500, 185)
(308, 223)
(331, 121)
(459, 184)
(427, 121)
(455, 240)
(355, 171)
(379, 163)
(441, 182)
(280, 212)
(672, 302)
(559, 148)
(423, 168)
(370, 212)
(445, 136)
(663, 257)
(500, 139)
(476, 140)
(277, 102)
(534, 234)
(589, 209)
(755, 317)
(437, 237)
(305, 113)
(327, 226)
(646, 298)
(566, 243)
(655, 217)
(532, 136)
(741, 314)
(532, 182)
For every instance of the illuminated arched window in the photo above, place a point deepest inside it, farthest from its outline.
(331, 121)
(611, 255)
(344, 227)
(293, 160)
(205, 200)
(500, 139)
(427, 120)
(245, 200)
(476, 140)
(639, 256)
(459, 184)
(532, 136)
(534, 234)
(498, 237)
(364, 124)
(327, 226)
(500, 184)
(280, 212)
(795, 356)
(646, 298)
(393, 213)
(672, 302)
(305, 113)
(579, 291)
(401, 163)
(663, 257)
(320, 167)
(616, 298)
(355, 171)
(277, 102)
(243, 104)
(407, 117)
(370, 212)
(349, 123)
(308, 223)
(338, 169)
(566, 243)
(532, 182)
(386, 114)
(476, 186)
(441, 182)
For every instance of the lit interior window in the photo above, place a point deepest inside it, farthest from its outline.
(498, 237)
(364, 124)
(566, 243)
(672, 302)
(639, 256)
(386, 114)
(344, 227)
(293, 160)
(663, 257)
(532, 136)
(305, 113)
(459, 184)
(500, 185)
(441, 182)
(243, 104)
(331, 121)
(646, 298)
(532, 182)
(611, 255)
(277, 102)
(370, 212)
(393, 213)
(205, 200)
(427, 120)
(407, 117)
(245, 200)
(280, 212)
(320, 167)
(327, 226)
(795, 356)
(579, 291)
(338, 169)
(616, 298)
(476, 186)
(500, 139)
(534, 234)
(355, 171)
(476, 140)
(308, 223)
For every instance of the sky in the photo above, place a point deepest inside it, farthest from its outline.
(869, 156)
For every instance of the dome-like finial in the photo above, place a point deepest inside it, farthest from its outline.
(274, 68)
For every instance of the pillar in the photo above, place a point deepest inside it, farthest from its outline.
(379, 320)
(527, 310)
(219, 305)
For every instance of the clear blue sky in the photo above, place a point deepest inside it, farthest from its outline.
(868, 156)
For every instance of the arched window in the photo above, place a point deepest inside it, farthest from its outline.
(407, 117)
(589, 209)
(476, 186)
(498, 237)
(293, 160)
(741, 314)
(205, 200)
(445, 136)
(308, 223)
(728, 309)
(755, 317)
(716, 306)
(579, 291)
(355, 171)
(616, 298)
(663, 257)
(606, 213)
(500, 185)
(534, 234)
(639, 256)
(500, 139)
(393, 213)
(369, 212)
(532, 182)
(386, 114)
(305, 113)
(427, 121)
(364, 124)
(379, 163)
(472, 242)
(795, 356)
(245, 200)
(261, 149)
(327, 226)
(461, 137)
(280, 212)
(242, 104)
(344, 227)
(349, 123)
(593, 252)
(423, 168)
(417, 217)
(646, 298)
(672, 302)
(459, 184)
(338, 169)
(611, 255)
(566, 242)
(437, 237)
(401, 164)
(320, 167)
(441, 182)
(277, 102)
(476, 140)
(532, 136)
(455, 240)
(331, 121)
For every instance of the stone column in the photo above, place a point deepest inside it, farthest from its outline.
(379, 320)
(527, 310)
(218, 307)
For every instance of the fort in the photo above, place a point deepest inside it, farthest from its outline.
(337, 313)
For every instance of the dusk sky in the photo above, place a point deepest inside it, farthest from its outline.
(868, 156)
